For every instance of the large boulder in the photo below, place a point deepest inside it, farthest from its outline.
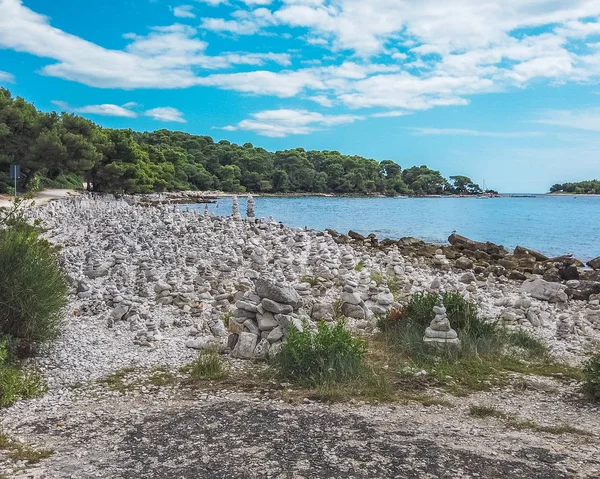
(545, 290)
(245, 346)
(584, 290)
(594, 263)
(356, 236)
(522, 251)
(268, 288)
(462, 242)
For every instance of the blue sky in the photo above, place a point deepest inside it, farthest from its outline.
(507, 92)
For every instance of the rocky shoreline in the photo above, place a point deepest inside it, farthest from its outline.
(164, 280)
(152, 284)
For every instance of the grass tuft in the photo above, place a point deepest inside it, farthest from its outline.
(312, 280)
(591, 377)
(485, 411)
(23, 452)
(15, 383)
(208, 366)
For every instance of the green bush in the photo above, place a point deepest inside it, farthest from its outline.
(209, 365)
(330, 354)
(14, 383)
(32, 286)
(64, 180)
(591, 377)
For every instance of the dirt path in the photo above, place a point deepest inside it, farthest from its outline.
(170, 433)
(42, 197)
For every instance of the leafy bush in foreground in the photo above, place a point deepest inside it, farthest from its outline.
(32, 286)
(330, 354)
(591, 377)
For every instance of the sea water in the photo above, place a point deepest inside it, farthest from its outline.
(553, 225)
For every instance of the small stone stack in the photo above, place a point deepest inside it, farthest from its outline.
(235, 209)
(250, 208)
(439, 332)
(262, 319)
(440, 261)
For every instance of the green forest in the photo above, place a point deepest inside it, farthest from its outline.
(591, 187)
(63, 150)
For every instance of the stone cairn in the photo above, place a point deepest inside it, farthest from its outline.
(250, 208)
(439, 331)
(235, 208)
(262, 318)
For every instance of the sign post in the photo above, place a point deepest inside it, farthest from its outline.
(15, 174)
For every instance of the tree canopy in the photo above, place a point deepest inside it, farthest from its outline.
(591, 187)
(68, 150)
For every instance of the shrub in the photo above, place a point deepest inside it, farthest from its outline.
(591, 377)
(32, 286)
(330, 354)
(14, 383)
(209, 365)
(405, 329)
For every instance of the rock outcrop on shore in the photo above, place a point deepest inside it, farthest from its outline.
(170, 282)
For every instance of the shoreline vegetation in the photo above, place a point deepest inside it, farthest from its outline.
(581, 188)
(65, 150)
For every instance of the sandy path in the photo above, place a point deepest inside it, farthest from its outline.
(43, 197)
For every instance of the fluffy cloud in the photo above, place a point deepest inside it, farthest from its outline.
(385, 54)
(125, 111)
(462, 132)
(165, 58)
(105, 109)
(585, 119)
(280, 123)
(184, 11)
(166, 114)
(7, 77)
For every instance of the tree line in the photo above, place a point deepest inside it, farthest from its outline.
(67, 150)
(591, 187)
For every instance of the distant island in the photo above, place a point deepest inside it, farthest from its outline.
(62, 150)
(591, 187)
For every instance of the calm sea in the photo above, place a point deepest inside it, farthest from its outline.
(554, 225)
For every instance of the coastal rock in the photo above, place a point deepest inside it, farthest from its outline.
(594, 263)
(584, 289)
(275, 307)
(268, 288)
(545, 290)
(322, 311)
(246, 344)
(464, 263)
(520, 250)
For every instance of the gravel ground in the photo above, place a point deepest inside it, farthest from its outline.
(177, 432)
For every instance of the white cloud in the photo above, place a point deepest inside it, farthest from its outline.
(284, 122)
(166, 114)
(105, 109)
(168, 57)
(257, 2)
(184, 11)
(213, 3)
(322, 100)
(463, 132)
(7, 77)
(390, 114)
(429, 53)
(585, 119)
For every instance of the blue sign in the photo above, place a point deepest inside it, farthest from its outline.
(15, 172)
